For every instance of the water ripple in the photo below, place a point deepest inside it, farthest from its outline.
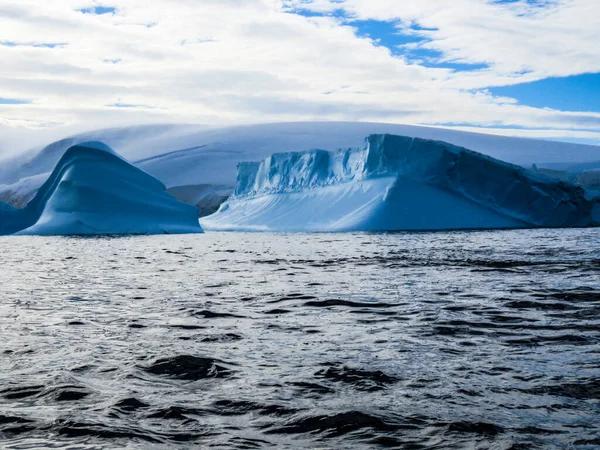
(400, 340)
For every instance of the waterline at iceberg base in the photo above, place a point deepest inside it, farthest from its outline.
(398, 183)
(93, 191)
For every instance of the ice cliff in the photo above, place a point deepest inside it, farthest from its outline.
(398, 183)
(92, 191)
(198, 164)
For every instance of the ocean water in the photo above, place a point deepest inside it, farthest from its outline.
(409, 340)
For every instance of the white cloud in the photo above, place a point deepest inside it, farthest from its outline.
(545, 38)
(240, 61)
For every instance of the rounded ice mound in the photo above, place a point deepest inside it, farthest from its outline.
(92, 190)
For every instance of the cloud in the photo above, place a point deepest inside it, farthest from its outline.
(243, 61)
(534, 38)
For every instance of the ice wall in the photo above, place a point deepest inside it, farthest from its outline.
(398, 183)
(198, 159)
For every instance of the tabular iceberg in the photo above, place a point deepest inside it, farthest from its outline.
(93, 191)
(398, 183)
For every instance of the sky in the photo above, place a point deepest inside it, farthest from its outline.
(520, 67)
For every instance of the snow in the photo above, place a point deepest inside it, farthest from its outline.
(398, 183)
(206, 197)
(192, 155)
(22, 192)
(91, 191)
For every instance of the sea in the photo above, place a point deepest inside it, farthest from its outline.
(441, 340)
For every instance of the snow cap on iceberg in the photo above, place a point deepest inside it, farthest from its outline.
(92, 190)
(398, 183)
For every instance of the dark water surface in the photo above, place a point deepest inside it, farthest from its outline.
(434, 340)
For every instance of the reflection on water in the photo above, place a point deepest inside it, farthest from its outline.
(410, 340)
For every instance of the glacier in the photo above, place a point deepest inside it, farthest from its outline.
(198, 163)
(398, 183)
(91, 191)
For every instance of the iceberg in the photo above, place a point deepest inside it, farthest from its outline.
(92, 191)
(198, 163)
(398, 183)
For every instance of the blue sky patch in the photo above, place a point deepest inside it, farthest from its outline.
(98, 10)
(402, 40)
(531, 3)
(432, 58)
(577, 93)
(49, 45)
(386, 34)
(36, 45)
(13, 101)
(124, 105)
(340, 13)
